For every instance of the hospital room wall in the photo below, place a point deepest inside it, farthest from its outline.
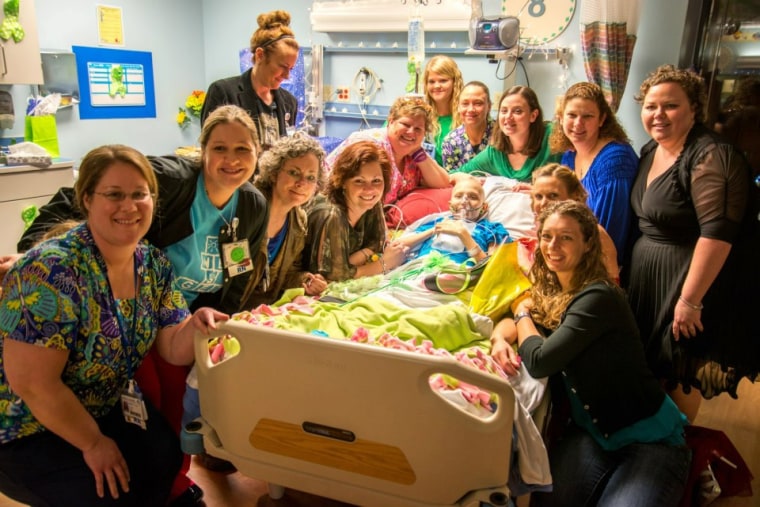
(171, 30)
(193, 42)
(659, 40)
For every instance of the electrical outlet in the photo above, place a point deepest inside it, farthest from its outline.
(342, 94)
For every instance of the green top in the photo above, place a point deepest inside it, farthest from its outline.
(445, 123)
(495, 162)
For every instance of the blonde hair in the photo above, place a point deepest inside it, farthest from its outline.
(445, 66)
(413, 107)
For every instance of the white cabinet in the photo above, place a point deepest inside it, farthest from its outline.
(22, 186)
(20, 62)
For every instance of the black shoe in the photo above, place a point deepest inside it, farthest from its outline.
(191, 497)
(215, 464)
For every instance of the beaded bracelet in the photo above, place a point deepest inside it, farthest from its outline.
(694, 307)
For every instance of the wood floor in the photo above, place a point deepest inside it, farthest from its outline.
(739, 419)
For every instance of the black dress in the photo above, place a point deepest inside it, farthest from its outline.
(706, 193)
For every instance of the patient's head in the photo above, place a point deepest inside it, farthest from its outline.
(468, 199)
(555, 182)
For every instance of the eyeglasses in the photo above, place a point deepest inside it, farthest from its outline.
(119, 196)
(309, 179)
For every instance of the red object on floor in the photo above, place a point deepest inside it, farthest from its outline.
(163, 384)
(708, 446)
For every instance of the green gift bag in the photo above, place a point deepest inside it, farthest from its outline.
(41, 130)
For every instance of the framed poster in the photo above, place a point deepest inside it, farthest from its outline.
(114, 83)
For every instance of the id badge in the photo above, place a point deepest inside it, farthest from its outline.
(133, 406)
(236, 257)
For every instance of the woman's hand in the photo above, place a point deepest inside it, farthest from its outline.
(687, 320)
(522, 187)
(204, 319)
(6, 261)
(106, 462)
(505, 355)
(394, 255)
(313, 285)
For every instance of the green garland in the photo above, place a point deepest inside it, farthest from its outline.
(11, 28)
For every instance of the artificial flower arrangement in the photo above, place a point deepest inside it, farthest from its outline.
(193, 108)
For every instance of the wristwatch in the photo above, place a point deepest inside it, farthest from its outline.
(520, 316)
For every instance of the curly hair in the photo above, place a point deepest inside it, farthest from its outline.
(565, 176)
(414, 106)
(273, 27)
(690, 82)
(501, 141)
(549, 297)
(445, 66)
(287, 148)
(610, 128)
(349, 163)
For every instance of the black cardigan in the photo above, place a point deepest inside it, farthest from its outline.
(597, 352)
(177, 183)
(238, 90)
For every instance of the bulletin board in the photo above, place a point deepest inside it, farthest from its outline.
(115, 83)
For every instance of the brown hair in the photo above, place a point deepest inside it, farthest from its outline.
(565, 176)
(537, 129)
(274, 28)
(414, 106)
(99, 160)
(609, 129)
(690, 82)
(549, 298)
(484, 88)
(349, 163)
(287, 148)
(445, 66)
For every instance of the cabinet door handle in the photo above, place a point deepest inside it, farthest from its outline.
(5, 64)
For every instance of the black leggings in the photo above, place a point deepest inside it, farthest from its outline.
(43, 470)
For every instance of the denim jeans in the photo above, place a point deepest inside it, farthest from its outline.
(637, 475)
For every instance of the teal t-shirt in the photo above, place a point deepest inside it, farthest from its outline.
(196, 259)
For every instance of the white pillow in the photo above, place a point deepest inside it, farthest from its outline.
(511, 209)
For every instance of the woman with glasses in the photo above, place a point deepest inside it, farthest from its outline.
(290, 174)
(347, 231)
(79, 313)
(471, 137)
(274, 51)
(210, 221)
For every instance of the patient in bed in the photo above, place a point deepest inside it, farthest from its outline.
(464, 233)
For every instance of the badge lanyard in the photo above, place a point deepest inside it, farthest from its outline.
(132, 403)
(236, 255)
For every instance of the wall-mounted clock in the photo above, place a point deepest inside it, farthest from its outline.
(541, 21)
